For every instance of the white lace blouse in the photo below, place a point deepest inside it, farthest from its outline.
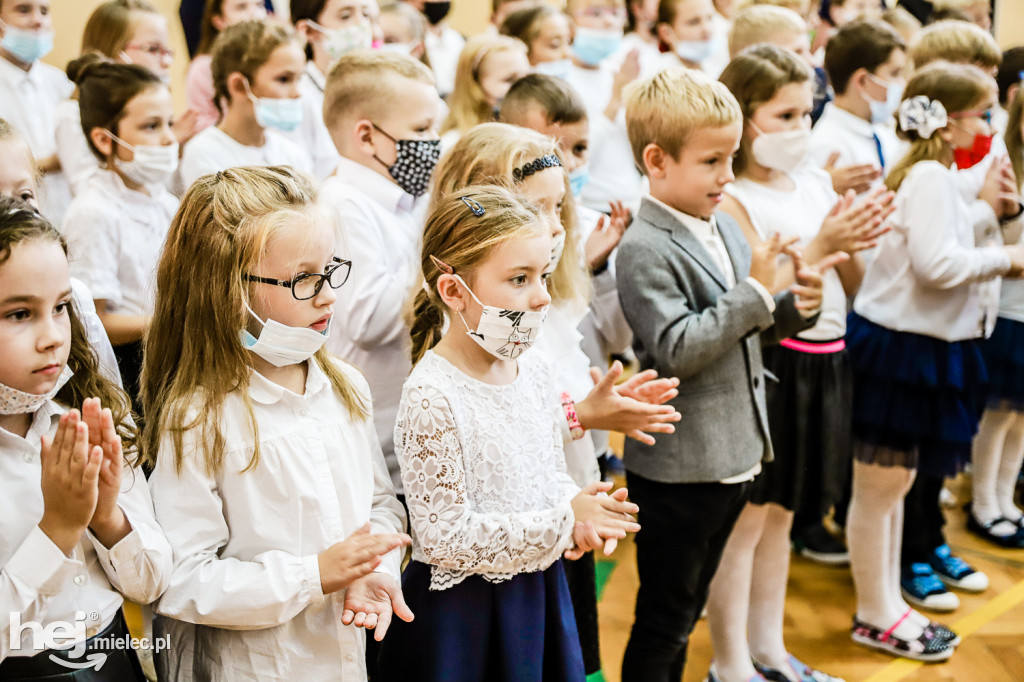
(483, 471)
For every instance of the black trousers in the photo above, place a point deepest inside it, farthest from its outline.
(922, 520)
(683, 530)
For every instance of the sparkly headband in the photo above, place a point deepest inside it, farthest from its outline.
(539, 164)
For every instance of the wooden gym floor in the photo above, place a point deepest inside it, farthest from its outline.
(820, 604)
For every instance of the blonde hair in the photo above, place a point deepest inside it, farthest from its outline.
(461, 240)
(360, 84)
(667, 108)
(759, 23)
(955, 41)
(414, 20)
(1014, 142)
(9, 133)
(245, 47)
(111, 25)
(468, 104)
(755, 76)
(193, 357)
(958, 87)
(938, 5)
(488, 154)
(905, 23)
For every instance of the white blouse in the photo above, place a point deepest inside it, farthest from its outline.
(115, 237)
(245, 596)
(76, 158)
(484, 472)
(214, 150)
(798, 213)
(42, 584)
(928, 276)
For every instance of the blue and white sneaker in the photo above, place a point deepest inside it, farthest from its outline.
(956, 572)
(921, 587)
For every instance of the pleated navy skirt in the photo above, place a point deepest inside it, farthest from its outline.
(809, 417)
(521, 630)
(916, 398)
(1004, 360)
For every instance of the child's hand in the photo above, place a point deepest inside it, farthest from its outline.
(370, 602)
(70, 474)
(354, 557)
(603, 517)
(607, 235)
(645, 387)
(1016, 254)
(857, 178)
(852, 225)
(1000, 188)
(108, 522)
(808, 288)
(764, 261)
(185, 126)
(605, 408)
(627, 73)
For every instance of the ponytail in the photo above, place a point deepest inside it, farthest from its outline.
(427, 320)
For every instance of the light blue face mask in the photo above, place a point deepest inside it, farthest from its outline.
(27, 46)
(578, 179)
(560, 68)
(696, 51)
(282, 113)
(592, 46)
(882, 112)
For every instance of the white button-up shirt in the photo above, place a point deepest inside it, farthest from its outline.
(214, 150)
(928, 277)
(245, 594)
(381, 231)
(854, 138)
(42, 584)
(77, 161)
(28, 101)
(115, 237)
(312, 133)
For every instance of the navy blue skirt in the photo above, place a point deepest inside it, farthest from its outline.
(1004, 360)
(521, 630)
(914, 395)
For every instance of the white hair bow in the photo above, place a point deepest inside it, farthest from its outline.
(922, 115)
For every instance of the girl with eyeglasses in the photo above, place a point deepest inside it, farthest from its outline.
(268, 475)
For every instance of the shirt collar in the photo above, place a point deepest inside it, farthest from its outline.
(374, 185)
(43, 422)
(266, 392)
(855, 124)
(13, 75)
(701, 229)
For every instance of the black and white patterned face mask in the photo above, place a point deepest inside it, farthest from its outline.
(414, 163)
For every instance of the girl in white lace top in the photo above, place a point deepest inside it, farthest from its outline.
(491, 506)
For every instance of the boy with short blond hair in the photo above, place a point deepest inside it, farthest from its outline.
(959, 42)
(381, 110)
(699, 304)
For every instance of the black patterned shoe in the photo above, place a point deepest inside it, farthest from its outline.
(926, 648)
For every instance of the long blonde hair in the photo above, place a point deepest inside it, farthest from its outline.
(468, 103)
(958, 87)
(488, 154)
(460, 237)
(194, 357)
(1013, 137)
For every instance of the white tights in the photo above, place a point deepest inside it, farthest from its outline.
(996, 460)
(746, 607)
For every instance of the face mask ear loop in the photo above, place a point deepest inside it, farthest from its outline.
(245, 302)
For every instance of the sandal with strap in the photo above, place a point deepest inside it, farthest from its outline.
(801, 672)
(942, 632)
(927, 648)
(984, 530)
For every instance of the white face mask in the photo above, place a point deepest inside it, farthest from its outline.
(783, 151)
(505, 334)
(560, 68)
(13, 401)
(282, 345)
(151, 165)
(398, 48)
(696, 50)
(557, 247)
(338, 41)
(882, 112)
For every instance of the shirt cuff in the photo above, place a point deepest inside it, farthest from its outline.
(312, 588)
(763, 292)
(39, 564)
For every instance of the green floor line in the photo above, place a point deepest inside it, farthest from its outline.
(603, 570)
(596, 677)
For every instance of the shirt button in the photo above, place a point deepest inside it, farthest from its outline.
(349, 657)
(29, 456)
(81, 579)
(92, 632)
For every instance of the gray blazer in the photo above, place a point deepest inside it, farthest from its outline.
(687, 324)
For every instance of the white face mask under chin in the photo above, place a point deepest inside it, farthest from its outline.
(13, 401)
(150, 165)
(783, 151)
(281, 345)
(505, 334)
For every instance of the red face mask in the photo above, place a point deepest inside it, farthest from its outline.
(967, 157)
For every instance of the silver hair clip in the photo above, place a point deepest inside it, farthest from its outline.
(476, 208)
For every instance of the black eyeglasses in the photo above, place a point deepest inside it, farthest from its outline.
(308, 285)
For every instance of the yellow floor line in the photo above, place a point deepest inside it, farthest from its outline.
(966, 626)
